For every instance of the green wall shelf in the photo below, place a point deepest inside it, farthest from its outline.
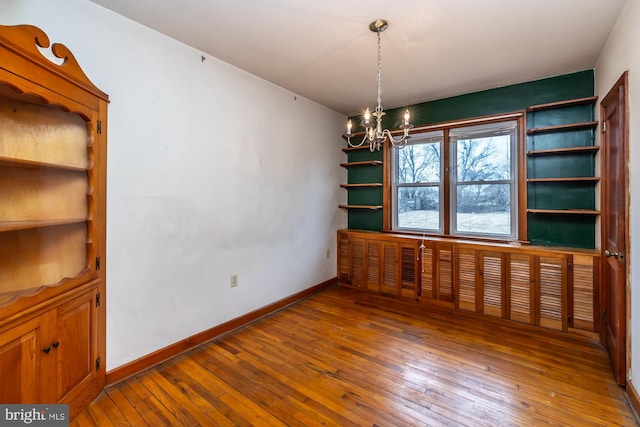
(563, 128)
(564, 211)
(363, 163)
(370, 207)
(373, 185)
(566, 150)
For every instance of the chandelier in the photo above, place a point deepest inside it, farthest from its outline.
(374, 134)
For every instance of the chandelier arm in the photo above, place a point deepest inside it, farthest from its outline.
(400, 142)
(364, 138)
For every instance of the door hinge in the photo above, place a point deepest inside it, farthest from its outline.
(604, 317)
(99, 126)
(97, 364)
(604, 127)
(97, 263)
(98, 299)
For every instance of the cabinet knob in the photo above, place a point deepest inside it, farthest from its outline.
(47, 349)
(56, 344)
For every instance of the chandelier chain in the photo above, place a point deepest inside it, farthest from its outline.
(379, 107)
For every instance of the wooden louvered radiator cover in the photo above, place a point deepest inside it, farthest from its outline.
(541, 286)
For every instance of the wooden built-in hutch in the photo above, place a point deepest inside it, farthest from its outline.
(53, 124)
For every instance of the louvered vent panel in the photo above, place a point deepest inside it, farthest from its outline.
(583, 294)
(426, 273)
(492, 281)
(343, 257)
(520, 289)
(408, 271)
(467, 280)
(445, 282)
(551, 292)
(389, 275)
(357, 262)
(373, 266)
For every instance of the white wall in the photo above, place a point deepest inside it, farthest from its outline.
(211, 172)
(621, 53)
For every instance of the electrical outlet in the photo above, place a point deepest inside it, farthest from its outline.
(234, 280)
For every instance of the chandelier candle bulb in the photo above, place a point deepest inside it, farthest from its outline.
(349, 127)
(367, 117)
(407, 116)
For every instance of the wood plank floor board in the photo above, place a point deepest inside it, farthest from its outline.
(246, 381)
(98, 415)
(348, 358)
(133, 401)
(128, 410)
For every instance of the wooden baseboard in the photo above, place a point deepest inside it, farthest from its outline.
(634, 398)
(125, 371)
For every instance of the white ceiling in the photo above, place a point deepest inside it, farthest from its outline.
(324, 50)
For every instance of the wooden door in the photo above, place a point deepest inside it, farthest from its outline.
(491, 283)
(373, 263)
(613, 333)
(427, 288)
(408, 270)
(343, 257)
(20, 362)
(390, 268)
(74, 346)
(551, 304)
(467, 279)
(520, 288)
(357, 262)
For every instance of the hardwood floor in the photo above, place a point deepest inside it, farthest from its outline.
(344, 358)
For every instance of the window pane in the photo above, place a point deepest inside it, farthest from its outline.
(483, 208)
(419, 163)
(484, 159)
(419, 207)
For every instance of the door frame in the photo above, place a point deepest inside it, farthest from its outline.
(624, 81)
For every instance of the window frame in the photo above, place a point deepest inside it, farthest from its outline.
(446, 198)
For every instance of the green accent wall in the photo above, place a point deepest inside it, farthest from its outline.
(543, 229)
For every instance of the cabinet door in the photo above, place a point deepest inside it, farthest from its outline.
(374, 260)
(466, 272)
(20, 362)
(584, 272)
(390, 265)
(427, 288)
(552, 285)
(74, 345)
(343, 257)
(408, 270)
(444, 273)
(492, 282)
(357, 262)
(521, 287)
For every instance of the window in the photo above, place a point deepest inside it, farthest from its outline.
(460, 181)
(418, 183)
